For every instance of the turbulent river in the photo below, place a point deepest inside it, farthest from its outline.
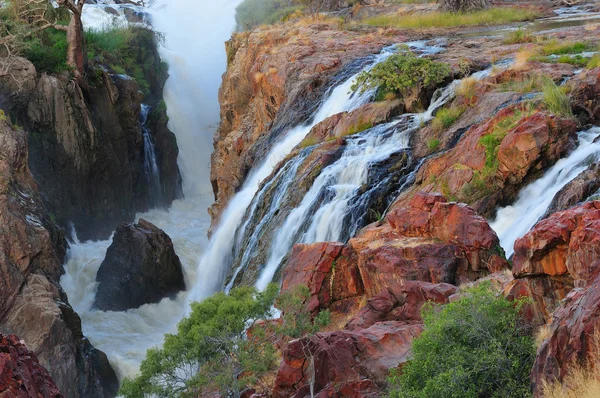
(191, 94)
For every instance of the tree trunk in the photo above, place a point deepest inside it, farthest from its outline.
(464, 5)
(76, 54)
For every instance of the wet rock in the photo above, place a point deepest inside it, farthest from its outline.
(32, 303)
(585, 95)
(275, 79)
(347, 363)
(86, 142)
(21, 374)
(578, 190)
(140, 267)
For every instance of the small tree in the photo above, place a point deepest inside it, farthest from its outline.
(26, 18)
(464, 5)
(211, 350)
(299, 323)
(474, 347)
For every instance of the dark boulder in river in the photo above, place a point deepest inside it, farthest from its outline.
(140, 267)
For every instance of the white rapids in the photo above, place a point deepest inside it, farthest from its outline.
(513, 222)
(191, 94)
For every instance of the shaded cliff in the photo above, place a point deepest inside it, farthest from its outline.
(86, 140)
(32, 303)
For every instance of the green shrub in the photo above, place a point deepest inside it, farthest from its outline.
(47, 51)
(403, 73)
(476, 346)
(556, 100)
(210, 350)
(556, 47)
(492, 16)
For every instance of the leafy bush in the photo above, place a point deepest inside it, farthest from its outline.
(210, 350)
(404, 73)
(473, 347)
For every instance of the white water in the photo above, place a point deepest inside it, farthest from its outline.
(195, 31)
(215, 263)
(150, 166)
(343, 180)
(513, 222)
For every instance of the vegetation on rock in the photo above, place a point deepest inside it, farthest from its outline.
(403, 73)
(476, 346)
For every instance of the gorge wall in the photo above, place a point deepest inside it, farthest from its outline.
(32, 303)
(86, 142)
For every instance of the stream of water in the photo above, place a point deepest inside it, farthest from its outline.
(513, 222)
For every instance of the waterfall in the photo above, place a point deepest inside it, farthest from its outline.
(513, 222)
(191, 96)
(150, 165)
(333, 207)
(219, 256)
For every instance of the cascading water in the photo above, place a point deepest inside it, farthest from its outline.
(191, 96)
(332, 208)
(219, 256)
(513, 222)
(150, 164)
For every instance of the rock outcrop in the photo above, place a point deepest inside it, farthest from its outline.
(140, 267)
(559, 253)
(86, 142)
(32, 304)
(21, 375)
(374, 288)
(275, 80)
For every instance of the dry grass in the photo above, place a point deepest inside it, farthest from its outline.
(492, 16)
(542, 335)
(582, 381)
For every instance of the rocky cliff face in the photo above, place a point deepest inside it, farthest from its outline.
(86, 144)
(275, 79)
(32, 304)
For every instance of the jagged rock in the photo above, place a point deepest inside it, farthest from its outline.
(32, 304)
(534, 144)
(585, 95)
(347, 363)
(555, 256)
(275, 79)
(21, 374)
(140, 267)
(574, 328)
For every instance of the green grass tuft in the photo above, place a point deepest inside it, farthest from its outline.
(556, 99)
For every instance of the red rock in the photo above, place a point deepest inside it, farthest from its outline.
(21, 375)
(565, 243)
(355, 361)
(574, 329)
(402, 304)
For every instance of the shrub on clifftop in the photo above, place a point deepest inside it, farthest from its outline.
(403, 73)
(474, 347)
